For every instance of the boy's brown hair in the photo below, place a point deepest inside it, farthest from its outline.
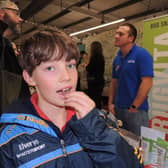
(47, 45)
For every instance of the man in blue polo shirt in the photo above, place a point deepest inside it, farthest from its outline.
(132, 77)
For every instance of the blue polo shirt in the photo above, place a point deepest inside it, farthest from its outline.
(128, 71)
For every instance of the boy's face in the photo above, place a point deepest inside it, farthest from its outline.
(53, 80)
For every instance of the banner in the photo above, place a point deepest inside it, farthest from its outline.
(155, 40)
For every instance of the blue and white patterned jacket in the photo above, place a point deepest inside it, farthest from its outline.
(27, 141)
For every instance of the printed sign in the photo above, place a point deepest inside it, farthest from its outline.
(155, 40)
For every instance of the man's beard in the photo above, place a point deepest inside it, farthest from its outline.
(14, 27)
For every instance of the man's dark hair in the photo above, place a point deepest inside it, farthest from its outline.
(133, 30)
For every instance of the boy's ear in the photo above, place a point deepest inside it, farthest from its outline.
(28, 78)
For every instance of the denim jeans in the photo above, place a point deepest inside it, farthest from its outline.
(132, 121)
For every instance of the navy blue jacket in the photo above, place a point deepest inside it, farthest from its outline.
(27, 141)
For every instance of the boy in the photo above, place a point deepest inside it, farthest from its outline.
(58, 127)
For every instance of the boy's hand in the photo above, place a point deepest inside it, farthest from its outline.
(80, 102)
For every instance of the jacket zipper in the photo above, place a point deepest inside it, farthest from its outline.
(63, 147)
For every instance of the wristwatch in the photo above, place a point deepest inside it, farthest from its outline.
(133, 106)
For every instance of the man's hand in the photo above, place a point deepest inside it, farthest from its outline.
(111, 108)
(132, 110)
(80, 102)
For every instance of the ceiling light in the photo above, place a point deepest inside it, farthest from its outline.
(97, 27)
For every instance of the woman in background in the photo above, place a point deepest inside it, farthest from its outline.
(95, 73)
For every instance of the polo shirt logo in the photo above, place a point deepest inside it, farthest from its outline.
(131, 61)
(117, 68)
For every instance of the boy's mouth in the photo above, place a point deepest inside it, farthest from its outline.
(64, 91)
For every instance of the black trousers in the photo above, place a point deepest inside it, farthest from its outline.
(95, 93)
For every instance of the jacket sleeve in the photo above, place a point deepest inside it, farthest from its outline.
(104, 145)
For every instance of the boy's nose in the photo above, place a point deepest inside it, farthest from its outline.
(65, 75)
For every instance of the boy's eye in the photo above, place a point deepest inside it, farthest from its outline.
(71, 66)
(50, 68)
